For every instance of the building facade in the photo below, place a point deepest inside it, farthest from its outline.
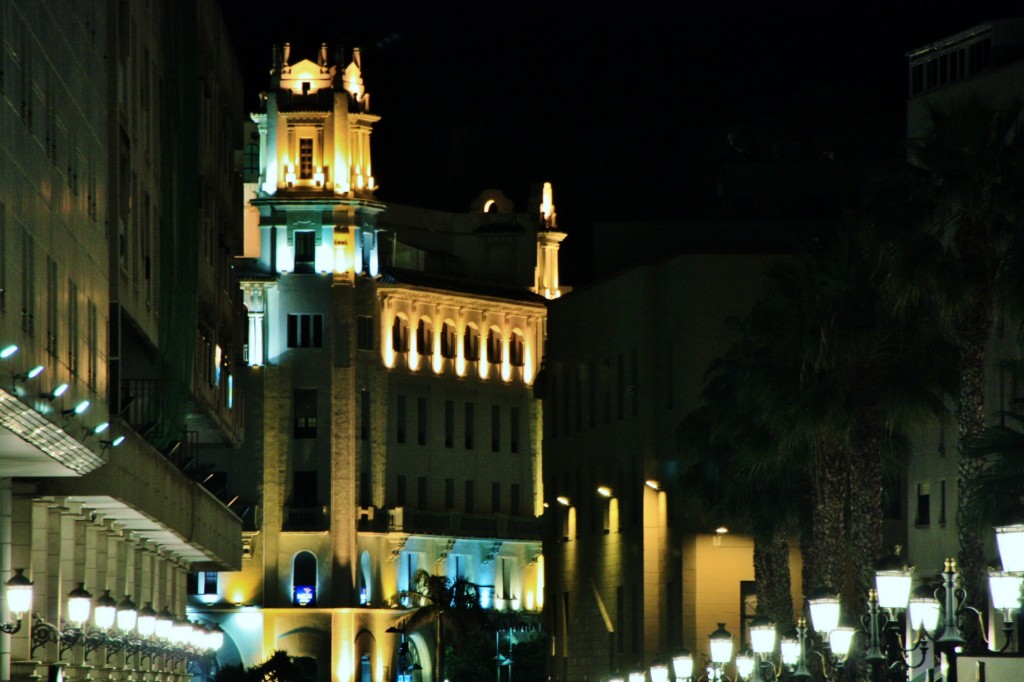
(101, 160)
(629, 579)
(391, 424)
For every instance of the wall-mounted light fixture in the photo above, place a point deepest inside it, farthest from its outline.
(58, 391)
(8, 351)
(80, 408)
(19, 600)
(112, 443)
(29, 374)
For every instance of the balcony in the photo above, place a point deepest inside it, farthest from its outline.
(306, 519)
(414, 521)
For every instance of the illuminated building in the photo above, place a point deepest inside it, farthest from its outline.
(104, 294)
(627, 581)
(391, 420)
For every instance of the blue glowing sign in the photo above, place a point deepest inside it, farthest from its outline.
(304, 595)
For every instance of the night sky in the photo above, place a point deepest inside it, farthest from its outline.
(622, 105)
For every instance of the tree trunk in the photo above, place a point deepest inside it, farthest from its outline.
(824, 560)
(774, 583)
(865, 468)
(439, 649)
(971, 423)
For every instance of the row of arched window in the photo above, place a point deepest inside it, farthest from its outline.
(449, 341)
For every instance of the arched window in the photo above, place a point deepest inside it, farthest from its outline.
(471, 343)
(365, 579)
(424, 336)
(304, 579)
(448, 344)
(400, 334)
(494, 346)
(517, 349)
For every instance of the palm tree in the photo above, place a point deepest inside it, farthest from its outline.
(965, 259)
(1001, 483)
(444, 603)
(830, 376)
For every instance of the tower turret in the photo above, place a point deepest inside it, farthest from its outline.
(548, 240)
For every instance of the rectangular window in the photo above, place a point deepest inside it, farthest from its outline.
(251, 163)
(592, 393)
(942, 501)
(72, 327)
(28, 283)
(3, 247)
(495, 428)
(578, 399)
(421, 421)
(632, 392)
(923, 517)
(304, 489)
(620, 386)
(305, 251)
(51, 306)
(470, 501)
(364, 415)
(364, 332)
(93, 332)
(449, 494)
(304, 406)
(400, 499)
(607, 380)
(400, 417)
(305, 330)
(449, 423)
(421, 485)
(469, 426)
(513, 430)
(620, 619)
(514, 500)
(496, 498)
(306, 158)
(203, 582)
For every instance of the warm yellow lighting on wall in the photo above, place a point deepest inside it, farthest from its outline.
(318, 177)
(721, 530)
(359, 181)
(389, 349)
(528, 364)
(289, 176)
(529, 601)
(488, 204)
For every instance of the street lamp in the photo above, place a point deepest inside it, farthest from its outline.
(682, 665)
(720, 644)
(18, 591)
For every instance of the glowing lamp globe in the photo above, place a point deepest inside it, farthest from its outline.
(682, 665)
(789, 648)
(893, 580)
(745, 664)
(824, 607)
(79, 605)
(19, 593)
(659, 672)
(1005, 590)
(105, 611)
(840, 639)
(1010, 540)
(924, 609)
(147, 620)
(720, 642)
(762, 635)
